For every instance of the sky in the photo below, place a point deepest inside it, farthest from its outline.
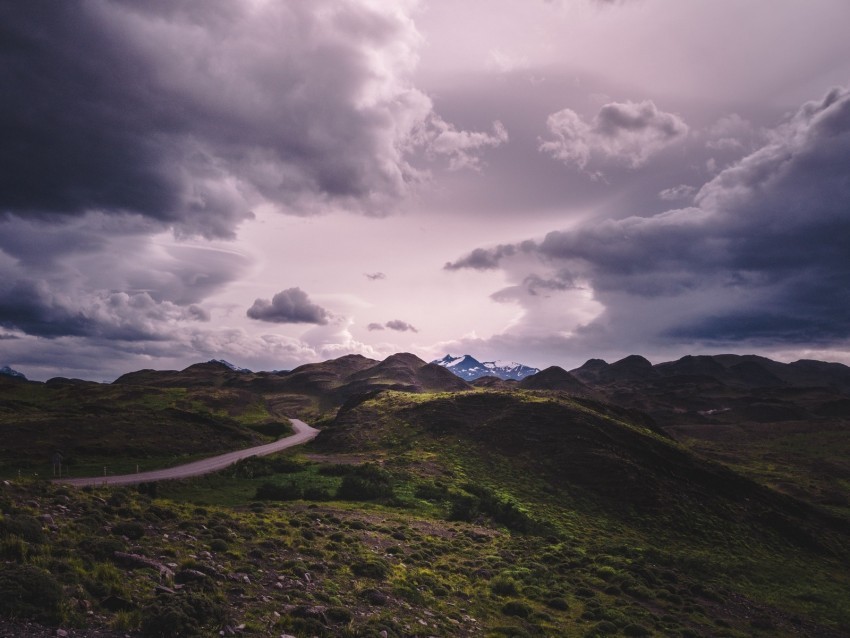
(545, 181)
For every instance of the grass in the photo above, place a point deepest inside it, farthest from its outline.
(542, 550)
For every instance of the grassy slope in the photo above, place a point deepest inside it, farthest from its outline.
(584, 525)
(121, 426)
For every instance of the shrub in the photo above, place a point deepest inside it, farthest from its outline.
(358, 488)
(101, 548)
(274, 492)
(272, 428)
(218, 545)
(29, 592)
(558, 603)
(431, 491)
(131, 529)
(316, 494)
(23, 526)
(339, 615)
(503, 585)
(517, 608)
(370, 568)
(603, 628)
(633, 629)
(14, 548)
(189, 614)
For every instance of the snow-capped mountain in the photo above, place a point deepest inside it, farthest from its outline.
(469, 368)
(9, 372)
(227, 364)
(509, 369)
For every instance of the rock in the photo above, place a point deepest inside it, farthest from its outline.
(136, 560)
(61, 633)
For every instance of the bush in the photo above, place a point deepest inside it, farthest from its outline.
(504, 586)
(339, 615)
(29, 592)
(371, 568)
(218, 545)
(274, 492)
(14, 548)
(189, 614)
(431, 491)
(358, 488)
(23, 526)
(272, 428)
(634, 629)
(132, 530)
(316, 494)
(558, 603)
(603, 628)
(517, 608)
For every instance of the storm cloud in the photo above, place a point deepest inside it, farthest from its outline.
(190, 113)
(289, 306)
(763, 256)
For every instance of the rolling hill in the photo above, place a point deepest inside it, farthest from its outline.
(700, 497)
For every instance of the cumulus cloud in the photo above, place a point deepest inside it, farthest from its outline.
(762, 256)
(375, 326)
(120, 286)
(289, 306)
(207, 108)
(33, 307)
(625, 133)
(439, 138)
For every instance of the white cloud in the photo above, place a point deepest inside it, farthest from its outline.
(626, 133)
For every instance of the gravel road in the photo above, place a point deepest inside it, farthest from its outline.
(303, 433)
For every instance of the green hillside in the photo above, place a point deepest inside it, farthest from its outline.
(441, 511)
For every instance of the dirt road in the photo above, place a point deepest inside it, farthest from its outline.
(303, 433)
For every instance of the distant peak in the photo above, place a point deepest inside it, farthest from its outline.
(405, 357)
(228, 365)
(9, 372)
(469, 368)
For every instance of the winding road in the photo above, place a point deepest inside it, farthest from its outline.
(303, 433)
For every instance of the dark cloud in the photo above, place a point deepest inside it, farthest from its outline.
(627, 133)
(119, 286)
(187, 113)
(375, 276)
(36, 308)
(395, 324)
(484, 258)
(289, 306)
(400, 326)
(763, 256)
